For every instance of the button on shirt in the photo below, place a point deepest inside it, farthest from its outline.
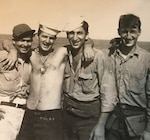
(88, 83)
(133, 78)
(15, 80)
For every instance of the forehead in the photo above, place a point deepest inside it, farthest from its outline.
(46, 34)
(79, 29)
(129, 28)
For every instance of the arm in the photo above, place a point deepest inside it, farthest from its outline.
(108, 98)
(88, 50)
(146, 134)
(12, 54)
(115, 41)
(98, 132)
(60, 56)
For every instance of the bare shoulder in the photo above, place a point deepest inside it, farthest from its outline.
(59, 57)
(62, 50)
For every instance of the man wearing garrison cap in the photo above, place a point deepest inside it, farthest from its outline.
(14, 83)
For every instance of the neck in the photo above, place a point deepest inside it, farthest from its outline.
(45, 53)
(126, 50)
(76, 52)
(25, 57)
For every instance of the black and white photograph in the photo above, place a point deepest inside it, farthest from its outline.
(75, 70)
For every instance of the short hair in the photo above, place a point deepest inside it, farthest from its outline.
(129, 21)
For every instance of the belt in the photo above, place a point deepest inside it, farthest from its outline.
(13, 104)
(126, 106)
(128, 110)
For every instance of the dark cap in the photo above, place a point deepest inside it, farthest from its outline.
(22, 30)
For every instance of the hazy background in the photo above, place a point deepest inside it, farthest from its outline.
(102, 15)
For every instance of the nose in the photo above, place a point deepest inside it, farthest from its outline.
(47, 40)
(129, 35)
(25, 43)
(75, 37)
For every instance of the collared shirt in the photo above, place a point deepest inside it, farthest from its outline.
(88, 83)
(133, 78)
(15, 80)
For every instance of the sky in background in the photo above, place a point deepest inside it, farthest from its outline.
(102, 15)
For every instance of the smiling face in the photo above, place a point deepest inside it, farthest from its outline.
(46, 41)
(77, 37)
(129, 29)
(23, 45)
(129, 36)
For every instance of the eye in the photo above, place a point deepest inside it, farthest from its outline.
(80, 33)
(52, 38)
(124, 31)
(133, 31)
(70, 33)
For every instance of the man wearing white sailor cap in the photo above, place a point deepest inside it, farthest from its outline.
(88, 87)
(42, 120)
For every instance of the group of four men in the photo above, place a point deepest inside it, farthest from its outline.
(89, 90)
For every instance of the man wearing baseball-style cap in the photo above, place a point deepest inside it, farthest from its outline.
(14, 83)
(22, 30)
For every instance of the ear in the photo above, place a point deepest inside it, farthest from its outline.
(118, 31)
(87, 36)
(139, 32)
(13, 42)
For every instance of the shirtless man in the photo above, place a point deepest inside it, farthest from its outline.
(42, 120)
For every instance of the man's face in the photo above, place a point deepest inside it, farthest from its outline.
(77, 37)
(46, 41)
(129, 36)
(23, 45)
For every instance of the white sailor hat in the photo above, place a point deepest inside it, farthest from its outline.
(49, 30)
(73, 23)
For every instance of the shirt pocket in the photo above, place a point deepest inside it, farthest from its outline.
(10, 75)
(138, 72)
(137, 80)
(9, 82)
(86, 81)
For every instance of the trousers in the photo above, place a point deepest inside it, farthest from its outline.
(41, 125)
(10, 125)
(79, 118)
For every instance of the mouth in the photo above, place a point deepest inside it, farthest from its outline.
(129, 42)
(25, 48)
(46, 46)
(76, 43)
